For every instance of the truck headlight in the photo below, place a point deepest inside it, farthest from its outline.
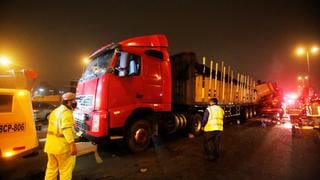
(95, 123)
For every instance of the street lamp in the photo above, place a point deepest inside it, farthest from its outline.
(304, 51)
(301, 80)
(314, 49)
(4, 61)
(85, 61)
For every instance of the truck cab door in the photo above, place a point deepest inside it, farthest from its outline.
(125, 88)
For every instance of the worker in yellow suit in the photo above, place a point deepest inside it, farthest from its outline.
(213, 126)
(60, 145)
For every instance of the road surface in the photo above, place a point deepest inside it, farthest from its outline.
(249, 151)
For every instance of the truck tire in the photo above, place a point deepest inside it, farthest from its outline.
(195, 124)
(47, 117)
(139, 136)
(254, 111)
(244, 114)
(250, 113)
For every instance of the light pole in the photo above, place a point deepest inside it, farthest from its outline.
(301, 51)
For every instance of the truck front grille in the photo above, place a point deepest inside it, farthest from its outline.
(82, 126)
(85, 101)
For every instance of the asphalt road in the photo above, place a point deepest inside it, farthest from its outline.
(249, 151)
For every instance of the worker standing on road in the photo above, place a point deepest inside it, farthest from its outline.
(60, 145)
(212, 124)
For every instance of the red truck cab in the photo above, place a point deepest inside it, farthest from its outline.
(122, 81)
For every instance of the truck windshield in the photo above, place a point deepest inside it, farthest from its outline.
(98, 66)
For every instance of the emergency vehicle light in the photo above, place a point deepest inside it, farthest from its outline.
(21, 93)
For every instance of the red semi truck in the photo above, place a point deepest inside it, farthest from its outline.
(133, 89)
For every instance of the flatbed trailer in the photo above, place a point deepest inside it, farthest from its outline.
(195, 83)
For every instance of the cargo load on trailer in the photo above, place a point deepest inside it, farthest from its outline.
(195, 83)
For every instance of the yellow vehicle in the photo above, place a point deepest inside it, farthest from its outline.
(17, 126)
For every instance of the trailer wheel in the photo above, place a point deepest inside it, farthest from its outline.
(139, 136)
(250, 113)
(245, 114)
(195, 124)
(46, 119)
(254, 111)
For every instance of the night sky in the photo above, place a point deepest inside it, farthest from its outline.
(257, 38)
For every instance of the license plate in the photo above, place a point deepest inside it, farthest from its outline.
(11, 127)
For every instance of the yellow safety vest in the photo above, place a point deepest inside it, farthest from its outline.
(215, 119)
(60, 131)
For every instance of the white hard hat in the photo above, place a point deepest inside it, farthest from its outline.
(68, 96)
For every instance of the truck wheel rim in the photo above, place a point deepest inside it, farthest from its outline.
(141, 136)
(197, 125)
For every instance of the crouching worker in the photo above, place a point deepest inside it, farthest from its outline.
(212, 124)
(60, 145)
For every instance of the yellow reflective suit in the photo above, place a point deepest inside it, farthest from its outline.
(215, 119)
(59, 137)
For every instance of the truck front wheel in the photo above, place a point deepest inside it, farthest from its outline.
(139, 136)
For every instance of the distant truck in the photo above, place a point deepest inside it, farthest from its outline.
(270, 99)
(306, 112)
(133, 89)
(17, 127)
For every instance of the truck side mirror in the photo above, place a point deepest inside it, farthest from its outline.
(123, 64)
(132, 67)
